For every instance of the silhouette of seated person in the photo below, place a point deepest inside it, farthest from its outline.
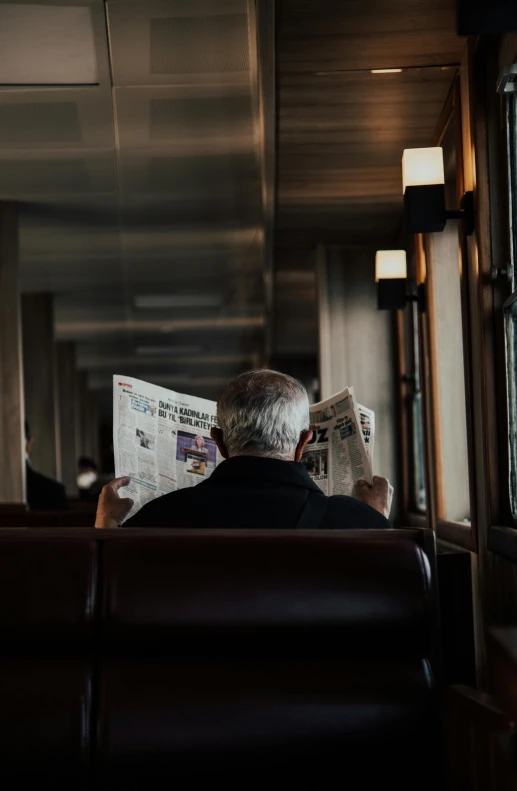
(43, 494)
(264, 427)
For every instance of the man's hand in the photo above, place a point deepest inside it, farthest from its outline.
(379, 495)
(112, 509)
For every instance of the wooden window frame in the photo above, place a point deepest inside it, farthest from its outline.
(484, 166)
(489, 127)
(412, 516)
(456, 533)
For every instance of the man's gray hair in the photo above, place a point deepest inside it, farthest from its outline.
(262, 413)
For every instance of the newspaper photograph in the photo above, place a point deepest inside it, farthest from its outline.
(341, 450)
(161, 439)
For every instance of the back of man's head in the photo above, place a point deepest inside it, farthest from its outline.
(263, 413)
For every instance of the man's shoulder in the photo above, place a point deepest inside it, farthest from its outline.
(37, 477)
(45, 493)
(346, 512)
(161, 510)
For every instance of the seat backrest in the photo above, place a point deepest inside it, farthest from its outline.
(195, 655)
(350, 596)
(48, 519)
(47, 618)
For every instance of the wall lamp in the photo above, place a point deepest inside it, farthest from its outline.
(424, 193)
(394, 289)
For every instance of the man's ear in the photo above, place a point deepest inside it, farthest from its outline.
(217, 436)
(29, 446)
(305, 437)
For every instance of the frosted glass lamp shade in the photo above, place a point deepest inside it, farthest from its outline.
(422, 167)
(390, 264)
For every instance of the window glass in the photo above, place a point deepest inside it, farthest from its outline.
(510, 310)
(414, 411)
(510, 321)
(443, 259)
(512, 179)
(418, 454)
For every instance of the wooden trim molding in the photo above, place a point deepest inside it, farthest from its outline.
(476, 734)
(456, 533)
(412, 519)
(325, 356)
(468, 271)
(12, 411)
(402, 398)
(433, 403)
(503, 541)
(492, 233)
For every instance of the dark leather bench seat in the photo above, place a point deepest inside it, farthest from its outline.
(149, 659)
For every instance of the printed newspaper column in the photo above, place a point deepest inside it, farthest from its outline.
(161, 439)
(341, 451)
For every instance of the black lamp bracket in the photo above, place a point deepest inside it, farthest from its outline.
(465, 213)
(395, 293)
(418, 297)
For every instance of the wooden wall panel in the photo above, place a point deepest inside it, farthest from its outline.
(362, 350)
(39, 376)
(12, 439)
(67, 383)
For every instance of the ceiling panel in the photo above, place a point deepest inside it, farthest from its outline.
(30, 176)
(323, 35)
(183, 120)
(47, 119)
(199, 44)
(53, 42)
(39, 122)
(147, 185)
(191, 211)
(182, 42)
(59, 45)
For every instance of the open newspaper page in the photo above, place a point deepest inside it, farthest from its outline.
(341, 450)
(161, 439)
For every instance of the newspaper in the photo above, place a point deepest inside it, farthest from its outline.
(161, 440)
(341, 450)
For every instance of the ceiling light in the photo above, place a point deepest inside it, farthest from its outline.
(385, 71)
(162, 301)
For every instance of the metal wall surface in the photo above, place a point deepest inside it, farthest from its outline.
(148, 180)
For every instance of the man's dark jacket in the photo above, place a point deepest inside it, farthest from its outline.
(254, 492)
(44, 494)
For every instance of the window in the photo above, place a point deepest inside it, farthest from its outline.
(414, 412)
(511, 130)
(418, 453)
(510, 326)
(449, 409)
(510, 308)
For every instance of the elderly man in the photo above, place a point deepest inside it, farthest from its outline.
(264, 426)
